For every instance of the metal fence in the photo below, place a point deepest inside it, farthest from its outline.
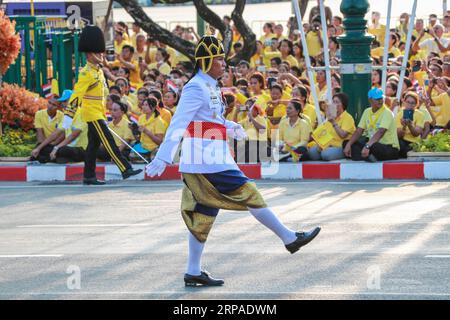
(48, 51)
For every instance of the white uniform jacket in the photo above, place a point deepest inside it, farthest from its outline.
(200, 107)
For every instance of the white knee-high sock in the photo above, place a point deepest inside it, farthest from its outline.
(271, 221)
(195, 256)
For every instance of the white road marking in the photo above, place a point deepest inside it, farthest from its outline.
(441, 256)
(31, 255)
(85, 225)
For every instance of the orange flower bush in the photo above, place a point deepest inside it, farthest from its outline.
(18, 106)
(9, 42)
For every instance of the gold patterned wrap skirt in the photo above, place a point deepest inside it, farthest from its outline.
(204, 194)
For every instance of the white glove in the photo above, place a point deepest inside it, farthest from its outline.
(237, 132)
(156, 167)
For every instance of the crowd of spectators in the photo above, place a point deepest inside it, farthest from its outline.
(270, 95)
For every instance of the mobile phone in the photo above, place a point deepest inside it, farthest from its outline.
(270, 81)
(408, 114)
(417, 66)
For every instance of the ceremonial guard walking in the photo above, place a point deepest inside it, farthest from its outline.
(212, 179)
(89, 98)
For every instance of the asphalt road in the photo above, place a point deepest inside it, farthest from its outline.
(126, 240)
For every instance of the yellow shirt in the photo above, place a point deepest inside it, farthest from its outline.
(164, 68)
(310, 111)
(418, 121)
(384, 118)
(442, 109)
(346, 122)
(378, 52)
(89, 93)
(426, 114)
(268, 54)
(135, 77)
(378, 32)
(118, 47)
(132, 101)
(292, 61)
(78, 124)
(321, 94)
(156, 126)
(313, 42)
(262, 100)
(297, 135)
(251, 131)
(43, 121)
(165, 115)
(267, 40)
(123, 130)
(256, 60)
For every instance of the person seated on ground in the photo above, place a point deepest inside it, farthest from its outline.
(170, 101)
(120, 126)
(294, 134)
(126, 96)
(440, 104)
(301, 93)
(164, 113)
(46, 120)
(276, 109)
(64, 99)
(49, 134)
(410, 123)
(330, 135)
(152, 128)
(73, 147)
(255, 128)
(375, 139)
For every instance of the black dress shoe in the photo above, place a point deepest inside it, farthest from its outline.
(93, 182)
(204, 279)
(303, 238)
(130, 172)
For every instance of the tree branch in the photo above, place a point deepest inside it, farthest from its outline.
(249, 37)
(213, 19)
(158, 33)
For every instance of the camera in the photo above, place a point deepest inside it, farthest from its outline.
(110, 55)
(134, 128)
(270, 81)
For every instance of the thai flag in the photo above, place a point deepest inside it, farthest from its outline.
(134, 118)
(172, 86)
(108, 117)
(47, 90)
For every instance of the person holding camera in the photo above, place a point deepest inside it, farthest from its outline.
(255, 128)
(437, 43)
(410, 123)
(440, 103)
(314, 38)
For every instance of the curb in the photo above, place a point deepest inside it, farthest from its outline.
(409, 170)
